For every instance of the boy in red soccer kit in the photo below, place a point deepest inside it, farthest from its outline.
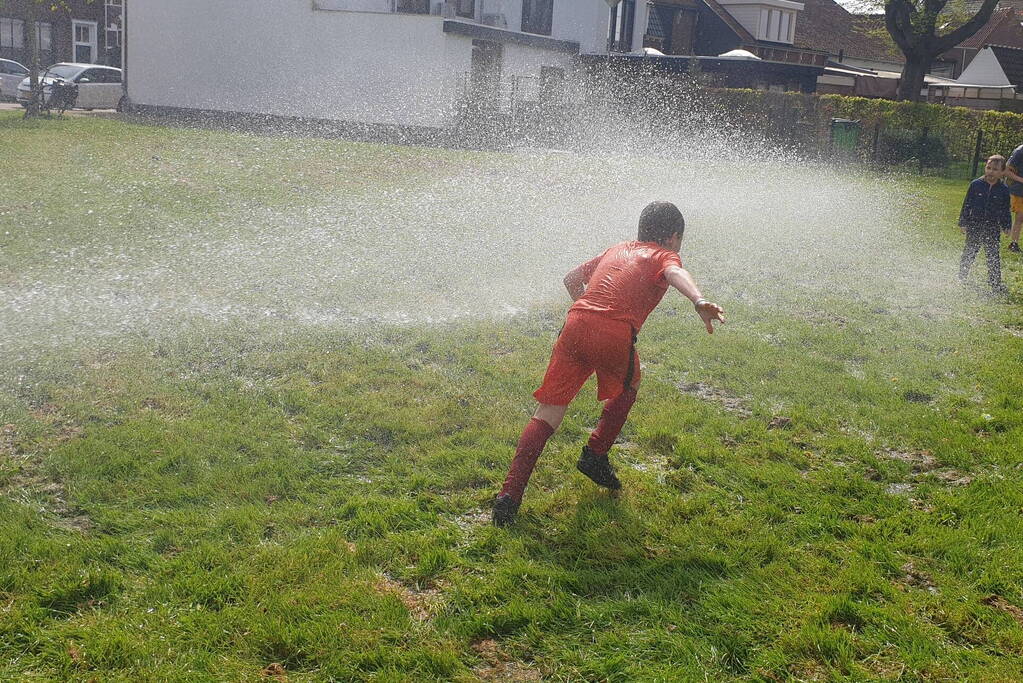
(613, 294)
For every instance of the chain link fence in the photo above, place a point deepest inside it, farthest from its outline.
(957, 153)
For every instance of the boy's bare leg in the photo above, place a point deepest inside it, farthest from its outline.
(1017, 224)
(552, 415)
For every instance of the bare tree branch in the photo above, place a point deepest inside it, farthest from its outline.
(950, 40)
(912, 24)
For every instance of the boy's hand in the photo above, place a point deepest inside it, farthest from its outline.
(710, 311)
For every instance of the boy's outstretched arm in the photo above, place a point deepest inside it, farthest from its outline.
(680, 279)
(578, 277)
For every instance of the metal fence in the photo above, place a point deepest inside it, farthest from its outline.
(942, 152)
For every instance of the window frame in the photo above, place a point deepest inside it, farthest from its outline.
(39, 33)
(93, 44)
(14, 30)
(538, 15)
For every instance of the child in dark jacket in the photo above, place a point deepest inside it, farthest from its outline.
(985, 213)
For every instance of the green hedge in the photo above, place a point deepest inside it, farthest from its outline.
(820, 109)
(912, 115)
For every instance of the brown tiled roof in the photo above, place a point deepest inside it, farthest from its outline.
(1003, 28)
(826, 25)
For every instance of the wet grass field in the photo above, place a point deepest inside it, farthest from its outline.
(830, 488)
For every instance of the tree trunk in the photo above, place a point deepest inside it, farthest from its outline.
(32, 36)
(912, 81)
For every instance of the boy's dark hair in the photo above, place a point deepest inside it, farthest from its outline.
(659, 221)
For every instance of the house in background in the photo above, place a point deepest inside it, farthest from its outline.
(859, 57)
(78, 31)
(1003, 29)
(869, 65)
(404, 63)
(746, 43)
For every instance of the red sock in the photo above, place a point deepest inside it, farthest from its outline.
(611, 421)
(534, 438)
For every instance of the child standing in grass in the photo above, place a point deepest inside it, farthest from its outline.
(613, 294)
(986, 212)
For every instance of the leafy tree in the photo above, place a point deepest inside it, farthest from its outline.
(925, 29)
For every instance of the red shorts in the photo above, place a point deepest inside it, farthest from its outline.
(589, 343)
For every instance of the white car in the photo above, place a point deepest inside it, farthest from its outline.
(11, 74)
(99, 87)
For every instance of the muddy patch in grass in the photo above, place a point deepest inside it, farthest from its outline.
(915, 578)
(920, 461)
(923, 465)
(952, 477)
(499, 666)
(275, 671)
(48, 497)
(1003, 605)
(712, 394)
(421, 604)
(29, 485)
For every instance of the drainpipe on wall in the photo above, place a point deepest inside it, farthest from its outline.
(124, 50)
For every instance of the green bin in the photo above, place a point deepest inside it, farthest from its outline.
(845, 134)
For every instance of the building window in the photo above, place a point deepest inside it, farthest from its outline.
(623, 19)
(465, 8)
(777, 26)
(84, 34)
(12, 33)
(44, 35)
(113, 23)
(536, 16)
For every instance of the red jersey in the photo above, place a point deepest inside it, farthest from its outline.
(626, 282)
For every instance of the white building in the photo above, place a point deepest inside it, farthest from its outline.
(407, 63)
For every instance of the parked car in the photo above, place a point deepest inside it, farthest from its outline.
(99, 87)
(11, 74)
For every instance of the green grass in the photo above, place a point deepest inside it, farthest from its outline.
(203, 507)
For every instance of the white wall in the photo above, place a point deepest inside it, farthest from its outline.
(526, 63)
(511, 10)
(586, 22)
(520, 60)
(282, 57)
(748, 16)
(581, 21)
